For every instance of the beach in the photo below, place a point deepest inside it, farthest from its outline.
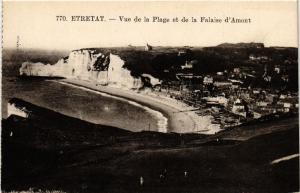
(180, 119)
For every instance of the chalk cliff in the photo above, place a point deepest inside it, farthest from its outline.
(90, 65)
(17, 107)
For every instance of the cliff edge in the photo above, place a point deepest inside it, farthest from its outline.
(91, 65)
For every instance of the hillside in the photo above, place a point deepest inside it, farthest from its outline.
(50, 151)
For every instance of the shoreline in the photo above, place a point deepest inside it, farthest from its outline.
(177, 121)
(161, 119)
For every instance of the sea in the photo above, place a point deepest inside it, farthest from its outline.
(84, 104)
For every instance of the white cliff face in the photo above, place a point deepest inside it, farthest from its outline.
(119, 76)
(80, 63)
(87, 65)
(13, 110)
(40, 69)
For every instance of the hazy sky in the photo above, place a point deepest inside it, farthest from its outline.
(273, 23)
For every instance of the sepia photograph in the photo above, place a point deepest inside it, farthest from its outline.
(150, 96)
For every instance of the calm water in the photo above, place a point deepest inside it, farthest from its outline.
(77, 103)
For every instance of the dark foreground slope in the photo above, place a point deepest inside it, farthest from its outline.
(52, 151)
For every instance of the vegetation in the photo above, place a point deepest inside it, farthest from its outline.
(50, 151)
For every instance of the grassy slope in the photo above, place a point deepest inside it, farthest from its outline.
(60, 152)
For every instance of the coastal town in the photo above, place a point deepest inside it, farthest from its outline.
(150, 97)
(230, 84)
(226, 97)
(233, 96)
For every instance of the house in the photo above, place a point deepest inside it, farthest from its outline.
(261, 104)
(187, 65)
(222, 83)
(252, 57)
(282, 96)
(235, 83)
(236, 70)
(221, 100)
(287, 105)
(238, 108)
(208, 80)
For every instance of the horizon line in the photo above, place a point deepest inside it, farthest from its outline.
(129, 45)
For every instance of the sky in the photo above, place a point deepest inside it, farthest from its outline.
(34, 24)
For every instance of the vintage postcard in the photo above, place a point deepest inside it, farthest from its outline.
(168, 96)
